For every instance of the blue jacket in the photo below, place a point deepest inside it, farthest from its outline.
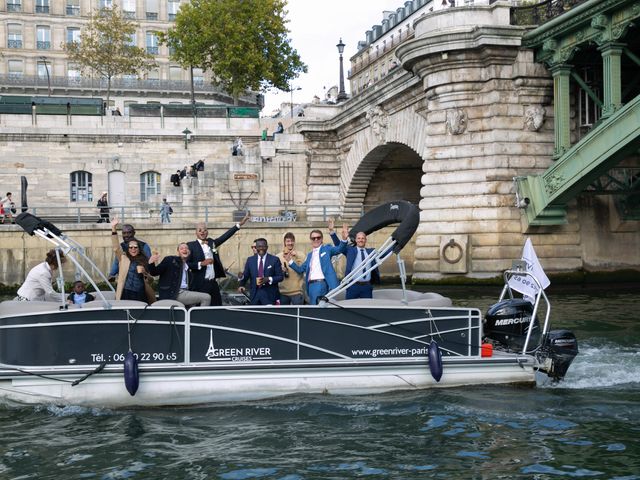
(352, 253)
(326, 252)
(267, 294)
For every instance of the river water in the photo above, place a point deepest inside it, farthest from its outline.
(586, 427)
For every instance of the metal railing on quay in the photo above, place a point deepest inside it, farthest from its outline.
(149, 213)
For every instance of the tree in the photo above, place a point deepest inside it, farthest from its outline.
(244, 43)
(105, 47)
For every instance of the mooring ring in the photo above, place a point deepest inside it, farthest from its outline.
(452, 244)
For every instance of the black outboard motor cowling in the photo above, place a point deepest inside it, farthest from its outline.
(507, 322)
(559, 348)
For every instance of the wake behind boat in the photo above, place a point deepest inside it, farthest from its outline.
(129, 354)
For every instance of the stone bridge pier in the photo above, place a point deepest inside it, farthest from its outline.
(468, 111)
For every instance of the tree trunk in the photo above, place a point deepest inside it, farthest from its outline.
(108, 93)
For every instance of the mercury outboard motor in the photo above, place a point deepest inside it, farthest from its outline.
(559, 348)
(507, 323)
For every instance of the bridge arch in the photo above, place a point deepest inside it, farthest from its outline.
(384, 164)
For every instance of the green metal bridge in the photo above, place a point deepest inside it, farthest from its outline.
(592, 49)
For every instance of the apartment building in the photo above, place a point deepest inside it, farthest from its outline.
(33, 61)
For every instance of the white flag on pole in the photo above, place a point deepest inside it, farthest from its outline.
(524, 284)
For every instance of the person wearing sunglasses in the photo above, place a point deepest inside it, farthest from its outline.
(320, 276)
(133, 282)
(263, 272)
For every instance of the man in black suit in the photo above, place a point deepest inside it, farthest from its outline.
(174, 278)
(263, 272)
(205, 261)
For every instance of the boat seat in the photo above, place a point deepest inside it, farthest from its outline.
(396, 294)
(168, 303)
(387, 302)
(14, 307)
(116, 303)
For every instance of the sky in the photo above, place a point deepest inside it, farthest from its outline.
(315, 30)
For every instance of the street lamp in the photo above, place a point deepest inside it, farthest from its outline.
(187, 136)
(291, 89)
(46, 67)
(342, 95)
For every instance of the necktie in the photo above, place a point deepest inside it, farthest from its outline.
(260, 267)
(364, 266)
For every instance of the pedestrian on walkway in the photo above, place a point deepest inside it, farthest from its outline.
(165, 211)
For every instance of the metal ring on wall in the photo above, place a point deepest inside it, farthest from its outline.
(452, 244)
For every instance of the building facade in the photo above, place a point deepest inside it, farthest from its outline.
(33, 62)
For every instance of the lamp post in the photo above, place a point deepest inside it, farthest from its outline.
(46, 68)
(342, 95)
(291, 89)
(187, 136)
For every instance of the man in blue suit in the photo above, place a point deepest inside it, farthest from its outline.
(363, 288)
(264, 272)
(320, 275)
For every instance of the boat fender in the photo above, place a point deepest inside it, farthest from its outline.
(131, 377)
(435, 360)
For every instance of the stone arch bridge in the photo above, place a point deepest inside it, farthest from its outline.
(470, 127)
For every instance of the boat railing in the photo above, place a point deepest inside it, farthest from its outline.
(519, 270)
(71, 250)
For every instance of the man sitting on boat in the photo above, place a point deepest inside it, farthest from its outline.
(264, 272)
(363, 288)
(175, 275)
(320, 275)
(37, 286)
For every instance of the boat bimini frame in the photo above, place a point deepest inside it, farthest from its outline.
(71, 250)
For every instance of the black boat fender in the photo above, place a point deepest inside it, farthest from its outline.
(131, 376)
(435, 360)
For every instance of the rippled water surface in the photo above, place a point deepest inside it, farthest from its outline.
(588, 426)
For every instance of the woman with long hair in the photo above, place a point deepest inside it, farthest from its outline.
(133, 281)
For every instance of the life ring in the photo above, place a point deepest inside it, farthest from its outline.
(452, 244)
(402, 212)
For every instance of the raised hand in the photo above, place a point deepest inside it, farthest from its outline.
(332, 224)
(345, 231)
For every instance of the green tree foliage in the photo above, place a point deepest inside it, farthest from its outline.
(243, 42)
(105, 48)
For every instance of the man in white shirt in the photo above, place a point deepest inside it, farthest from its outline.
(205, 261)
(320, 274)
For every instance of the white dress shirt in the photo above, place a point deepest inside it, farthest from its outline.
(210, 273)
(315, 270)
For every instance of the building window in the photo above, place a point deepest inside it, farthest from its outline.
(151, 8)
(42, 6)
(73, 34)
(42, 68)
(81, 186)
(132, 41)
(153, 76)
(16, 68)
(14, 6)
(152, 43)
(129, 8)
(175, 74)
(73, 73)
(14, 35)
(73, 8)
(106, 3)
(149, 185)
(198, 77)
(43, 37)
(172, 9)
